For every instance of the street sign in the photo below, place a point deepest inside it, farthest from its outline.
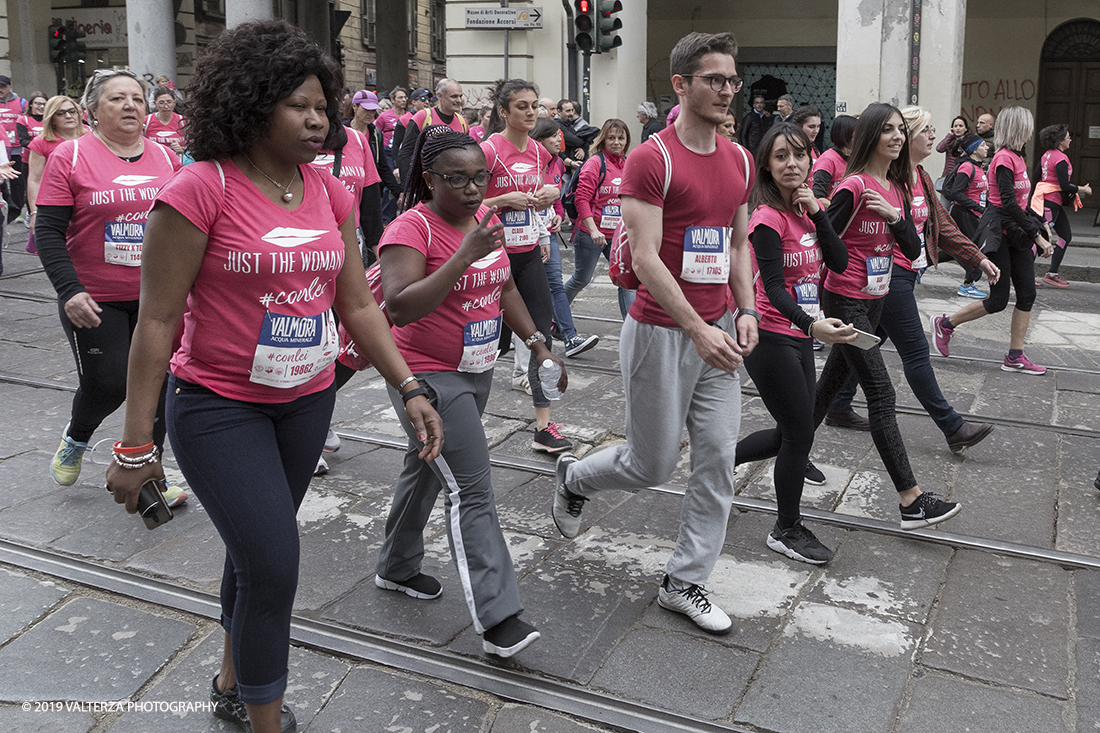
(507, 18)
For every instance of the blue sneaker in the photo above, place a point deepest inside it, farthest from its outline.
(969, 291)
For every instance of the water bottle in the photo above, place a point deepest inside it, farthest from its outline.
(549, 374)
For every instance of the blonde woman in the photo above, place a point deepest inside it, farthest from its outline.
(60, 122)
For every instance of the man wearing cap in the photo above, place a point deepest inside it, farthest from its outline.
(11, 107)
(365, 104)
(447, 111)
(418, 100)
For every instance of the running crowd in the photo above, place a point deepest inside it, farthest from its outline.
(209, 259)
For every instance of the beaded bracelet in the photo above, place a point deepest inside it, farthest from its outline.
(137, 461)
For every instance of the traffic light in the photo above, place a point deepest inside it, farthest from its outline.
(59, 45)
(606, 37)
(584, 24)
(75, 51)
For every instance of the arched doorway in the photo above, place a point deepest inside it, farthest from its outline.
(1069, 91)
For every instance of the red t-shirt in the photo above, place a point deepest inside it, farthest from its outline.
(919, 210)
(1020, 182)
(703, 196)
(978, 190)
(802, 267)
(461, 334)
(357, 168)
(110, 200)
(869, 241)
(833, 163)
(165, 134)
(513, 170)
(258, 325)
(604, 205)
(1047, 165)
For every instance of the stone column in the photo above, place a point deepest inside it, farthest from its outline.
(941, 61)
(238, 11)
(152, 43)
(872, 50)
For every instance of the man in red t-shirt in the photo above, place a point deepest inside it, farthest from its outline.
(680, 346)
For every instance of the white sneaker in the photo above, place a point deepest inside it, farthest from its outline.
(521, 384)
(322, 467)
(692, 602)
(332, 442)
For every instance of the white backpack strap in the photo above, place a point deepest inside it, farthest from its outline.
(164, 152)
(221, 174)
(668, 163)
(856, 203)
(76, 150)
(426, 226)
(745, 158)
(496, 155)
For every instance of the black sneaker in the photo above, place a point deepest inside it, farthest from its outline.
(927, 510)
(799, 543)
(419, 586)
(509, 637)
(550, 440)
(229, 706)
(580, 344)
(814, 475)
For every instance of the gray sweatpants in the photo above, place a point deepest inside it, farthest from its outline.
(667, 387)
(477, 544)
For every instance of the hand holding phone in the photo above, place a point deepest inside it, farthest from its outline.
(865, 340)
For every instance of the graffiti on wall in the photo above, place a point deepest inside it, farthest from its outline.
(989, 96)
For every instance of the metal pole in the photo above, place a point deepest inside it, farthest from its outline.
(570, 52)
(504, 4)
(586, 84)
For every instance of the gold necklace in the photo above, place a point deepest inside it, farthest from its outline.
(287, 195)
(128, 158)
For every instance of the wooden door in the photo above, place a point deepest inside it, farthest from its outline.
(1069, 92)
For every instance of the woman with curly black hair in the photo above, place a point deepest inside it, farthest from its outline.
(257, 247)
(1054, 170)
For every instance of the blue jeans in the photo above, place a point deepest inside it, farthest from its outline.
(902, 324)
(562, 314)
(250, 465)
(586, 255)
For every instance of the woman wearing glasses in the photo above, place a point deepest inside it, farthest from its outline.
(60, 122)
(447, 282)
(165, 125)
(92, 205)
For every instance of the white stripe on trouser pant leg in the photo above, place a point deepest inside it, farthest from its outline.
(456, 539)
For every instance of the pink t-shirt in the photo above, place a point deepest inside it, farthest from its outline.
(258, 326)
(603, 205)
(477, 132)
(555, 174)
(10, 112)
(34, 127)
(386, 123)
(1047, 165)
(978, 190)
(110, 200)
(833, 163)
(802, 267)
(513, 170)
(461, 334)
(165, 134)
(1020, 182)
(919, 211)
(431, 116)
(703, 197)
(44, 147)
(357, 169)
(869, 241)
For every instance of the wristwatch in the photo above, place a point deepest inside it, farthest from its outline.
(529, 342)
(747, 312)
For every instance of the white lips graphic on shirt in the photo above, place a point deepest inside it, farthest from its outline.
(125, 180)
(522, 167)
(488, 260)
(616, 181)
(324, 160)
(808, 239)
(288, 237)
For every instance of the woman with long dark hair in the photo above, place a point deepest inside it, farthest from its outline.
(830, 166)
(257, 248)
(808, 118)
(1055, 170)
(868, 211)
(792, 243)
(951, 145)
(1007, 234)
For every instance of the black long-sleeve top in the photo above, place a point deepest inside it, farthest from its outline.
(905, 234)
(1006, 185)
(823, 181)
(23, 133)
(1061, 171)
(51, 225)
(958, 184)
(385, 172)
(768, 247)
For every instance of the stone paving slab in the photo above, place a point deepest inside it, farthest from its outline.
(1087, 594)
(1088, 684)
(312, 679)
(638, 669)
(833, 670)
(372, 699)
(24, 478)
(518, 718)
(1005, 621)
(1014, 504)
(23, 599)
(89, 650)
(942, 703)
(29, 721)
(195, 557)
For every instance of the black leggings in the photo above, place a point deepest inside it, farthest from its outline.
(530, 275)
(102, 354)
(1059, 222)
(1019, 264)
(782, 368)
(844, 359)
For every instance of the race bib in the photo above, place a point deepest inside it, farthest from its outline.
(806, 295)
(479, 345)
(878, 275)
(294, 349)
(922, 259)
(611, 216)
(983, 197)
(520, 231)
(706, 255)
(13, 140)
(122, 242)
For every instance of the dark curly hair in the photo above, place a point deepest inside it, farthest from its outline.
(240, 77)
(433, 142)
(1050, 137)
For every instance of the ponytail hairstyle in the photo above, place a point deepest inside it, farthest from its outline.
(868, 132)
(764, 189)
(842, 131)
(501, 96)
(433, 141)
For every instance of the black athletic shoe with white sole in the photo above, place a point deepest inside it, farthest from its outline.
(928, 509)
(229, 706)
(509, 637)
(814, 475)
(799, 543)
(421, 586)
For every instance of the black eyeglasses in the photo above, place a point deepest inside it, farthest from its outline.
(461, 181)
(70, 112)
(718, 82)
